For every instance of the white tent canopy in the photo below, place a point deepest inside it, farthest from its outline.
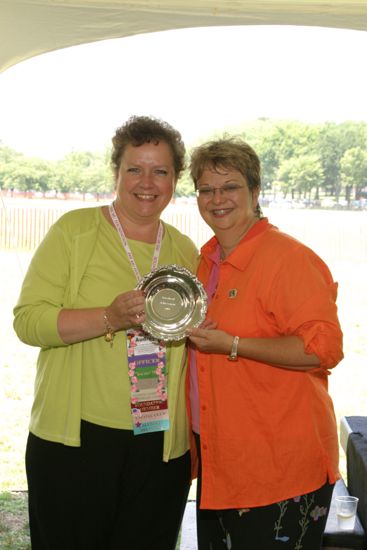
(32, 27)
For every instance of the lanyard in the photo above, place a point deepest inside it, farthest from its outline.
(126, 246)
(146, 359)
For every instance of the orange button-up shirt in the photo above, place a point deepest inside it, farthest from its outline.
(268, 433)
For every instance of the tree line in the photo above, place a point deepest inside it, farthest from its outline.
(299, 160)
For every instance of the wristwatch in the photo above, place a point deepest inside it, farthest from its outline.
(234, 349)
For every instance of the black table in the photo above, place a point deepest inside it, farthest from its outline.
(336, 539)
(357, 463)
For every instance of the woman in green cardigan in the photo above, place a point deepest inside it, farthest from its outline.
(101, 476)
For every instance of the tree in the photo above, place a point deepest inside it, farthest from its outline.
(85, 172)
(73, 170)
(8, 160)
(276, 142)
(301, 174)
(353, 168)
(97, 177)
(333, 141)
(28, 174)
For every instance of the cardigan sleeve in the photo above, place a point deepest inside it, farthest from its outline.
(43, 290)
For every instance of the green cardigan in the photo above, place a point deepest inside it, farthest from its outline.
(52, 283)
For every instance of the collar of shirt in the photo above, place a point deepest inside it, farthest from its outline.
(240, 256)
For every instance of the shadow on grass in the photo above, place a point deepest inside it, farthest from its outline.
(14, 530)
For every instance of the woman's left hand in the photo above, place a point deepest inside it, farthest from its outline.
(210, 340)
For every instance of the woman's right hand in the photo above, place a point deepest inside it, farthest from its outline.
(126, 310)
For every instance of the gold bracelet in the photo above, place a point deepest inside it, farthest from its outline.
(110, 333)
(234, 349)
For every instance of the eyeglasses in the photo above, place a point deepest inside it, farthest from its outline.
(229, 190)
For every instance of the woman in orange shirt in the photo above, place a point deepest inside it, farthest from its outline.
(263, 420)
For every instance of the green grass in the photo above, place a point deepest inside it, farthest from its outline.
(14, 531)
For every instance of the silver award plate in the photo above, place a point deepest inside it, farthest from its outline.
(175, 300)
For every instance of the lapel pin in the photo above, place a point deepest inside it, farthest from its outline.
(232, 293)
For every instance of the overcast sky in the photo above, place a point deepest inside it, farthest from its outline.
(199, 80)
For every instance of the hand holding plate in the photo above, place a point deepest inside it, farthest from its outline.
(127, 310)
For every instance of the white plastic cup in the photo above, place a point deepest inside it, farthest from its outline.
(346, 510)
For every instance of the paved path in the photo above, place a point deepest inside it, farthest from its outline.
(188, 532)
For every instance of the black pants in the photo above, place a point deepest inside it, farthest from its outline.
(293, 524)
(112, 493)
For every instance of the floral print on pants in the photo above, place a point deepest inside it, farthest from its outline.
(293, 524)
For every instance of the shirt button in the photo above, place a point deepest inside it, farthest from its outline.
(203, 408)
(205, 447)
(202, 369)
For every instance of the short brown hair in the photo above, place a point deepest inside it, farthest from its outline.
(228, 152)
(138, 130)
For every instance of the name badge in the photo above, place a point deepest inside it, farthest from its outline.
(148, 382)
